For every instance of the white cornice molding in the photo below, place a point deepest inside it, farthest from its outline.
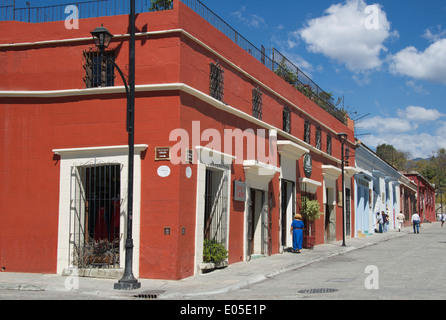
(193, 38)
(290, 149)
(309, 185)
(166, 87)
(76, 152)
(331, 172)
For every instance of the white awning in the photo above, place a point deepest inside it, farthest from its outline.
(291, 149)
(331, 172)
(259, 171)
(309, 185)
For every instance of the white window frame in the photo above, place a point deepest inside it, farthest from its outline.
(108, 154)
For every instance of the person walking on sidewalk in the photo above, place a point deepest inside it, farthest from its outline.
(385, 221)
(416, 223)
(400, 217)
(297, 231)
(379, 222)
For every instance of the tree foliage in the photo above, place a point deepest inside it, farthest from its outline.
(432, 168)
(398, 159)
(160, 5)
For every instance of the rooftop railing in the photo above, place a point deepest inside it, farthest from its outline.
(271, 58)
(85, 9)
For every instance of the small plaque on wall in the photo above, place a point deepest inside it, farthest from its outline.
(162, 153)
(239, 191)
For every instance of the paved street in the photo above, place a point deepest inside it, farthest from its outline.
(383, 266)
(409, 267)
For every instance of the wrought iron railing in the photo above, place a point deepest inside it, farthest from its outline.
(85, 9)
(297, 78)
(273, 60)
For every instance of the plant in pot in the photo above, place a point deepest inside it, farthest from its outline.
(96, 252)
(214, 254)
(311, 212)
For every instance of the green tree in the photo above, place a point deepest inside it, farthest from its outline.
(439, 163)
(434, 170)
(397, 158)
(286, 73)
(160, 5)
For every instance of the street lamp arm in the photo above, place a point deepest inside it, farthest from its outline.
(124, 80)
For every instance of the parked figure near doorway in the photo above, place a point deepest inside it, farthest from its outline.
(297, 231)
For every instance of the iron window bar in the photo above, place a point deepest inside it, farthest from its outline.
(319, 138)
(307, 133)
(257, 103)
(216, 81)
(287, 119)
(329, 144)
(99, 68)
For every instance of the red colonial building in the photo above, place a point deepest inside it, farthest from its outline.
(425, 204)
(226, 145)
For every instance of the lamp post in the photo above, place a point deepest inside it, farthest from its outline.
(102, 38)
(343, 137)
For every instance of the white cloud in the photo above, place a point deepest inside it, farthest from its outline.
(436, 35)
(428, 65)
(404, 132)
(380, 124)
(417, 88)
(441, 130)
(421, 145)
(251, 20)
(419, 114)
(343, 34)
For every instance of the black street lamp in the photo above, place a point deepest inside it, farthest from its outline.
(102, 38)
(343, 137)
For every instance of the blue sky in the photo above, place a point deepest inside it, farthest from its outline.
(387, 58)
(391, 73)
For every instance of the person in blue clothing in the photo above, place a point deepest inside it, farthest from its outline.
(297, 231)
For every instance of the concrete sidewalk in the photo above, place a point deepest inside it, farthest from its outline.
(235, 276)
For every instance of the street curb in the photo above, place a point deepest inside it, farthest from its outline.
(283, 269)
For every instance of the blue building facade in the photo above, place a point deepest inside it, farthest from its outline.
(377, 189)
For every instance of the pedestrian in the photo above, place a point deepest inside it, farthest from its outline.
(384, 218)
(443, 218)
(400, 217)
(379, 222)
(387, 219)
(297, 231)
(416, 223)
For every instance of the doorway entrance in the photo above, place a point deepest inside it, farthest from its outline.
(288, 210)
(215, 206)
(257, 237)
(330, 216)
(347, 213)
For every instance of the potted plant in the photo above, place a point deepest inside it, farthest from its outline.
(214, 255)
(96, 253)
(311, 212)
